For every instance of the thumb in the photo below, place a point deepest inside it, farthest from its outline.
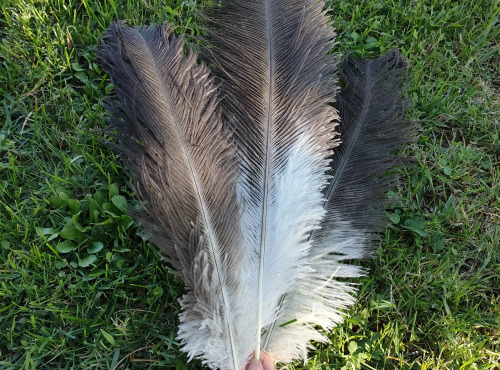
(254, 365)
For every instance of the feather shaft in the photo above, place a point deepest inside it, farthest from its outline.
(268, 136)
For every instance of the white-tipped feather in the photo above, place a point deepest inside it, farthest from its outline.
(278, 78)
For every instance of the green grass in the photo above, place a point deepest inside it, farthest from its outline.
(81, 288)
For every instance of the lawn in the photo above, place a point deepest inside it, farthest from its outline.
(80, 285)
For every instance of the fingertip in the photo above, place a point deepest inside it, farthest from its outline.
(267, 362)
(254, 365)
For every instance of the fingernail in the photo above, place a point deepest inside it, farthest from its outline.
(254, 365)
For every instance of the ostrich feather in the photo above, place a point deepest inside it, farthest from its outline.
(278, 80)
(372, 128)
(166, 117)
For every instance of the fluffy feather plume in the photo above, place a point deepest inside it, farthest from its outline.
(372, 127)
(164, 110)
(278, 82)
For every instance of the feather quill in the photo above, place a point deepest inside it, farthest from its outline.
(372, 128)
(278, 80)
(170, 131)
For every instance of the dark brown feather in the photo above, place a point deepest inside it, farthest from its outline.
(169, 128)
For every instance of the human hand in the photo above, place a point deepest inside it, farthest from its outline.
(264, 363)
